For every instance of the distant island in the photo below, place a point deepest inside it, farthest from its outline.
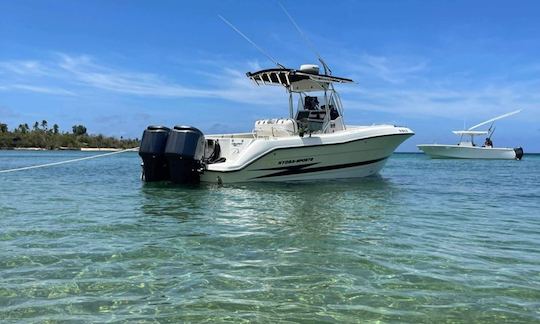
(40, 136)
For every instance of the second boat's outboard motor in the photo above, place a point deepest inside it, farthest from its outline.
(184, 152)
(519, 153)
(152, 152)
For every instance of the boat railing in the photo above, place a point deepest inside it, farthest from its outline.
(237, 135)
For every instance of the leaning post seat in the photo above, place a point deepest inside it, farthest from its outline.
(276, 127)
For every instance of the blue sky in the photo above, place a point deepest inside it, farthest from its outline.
(117, 66)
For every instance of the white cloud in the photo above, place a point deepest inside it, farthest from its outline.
(37, 89)
(401, 86)
(227, 83)
(447, 103)
(83, 71)
(409, 88)
(393, 70)
(28, 67)
(47, 90)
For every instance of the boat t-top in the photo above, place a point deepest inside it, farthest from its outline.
(313, 143)
(468, 149)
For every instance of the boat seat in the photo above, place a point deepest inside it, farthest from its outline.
(275, 127)
(212, 152)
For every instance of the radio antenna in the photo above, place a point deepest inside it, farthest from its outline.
(307, 41)
(251, 42)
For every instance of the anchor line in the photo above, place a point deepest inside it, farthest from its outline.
(67, 161)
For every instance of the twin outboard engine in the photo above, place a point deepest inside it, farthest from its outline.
(172, 154)
(184, 152)
(152, 152)
(519, 153)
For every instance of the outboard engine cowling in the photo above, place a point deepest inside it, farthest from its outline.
(152, 152)
(519, 153)
(184, 152)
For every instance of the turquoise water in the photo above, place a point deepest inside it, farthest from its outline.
(427, 241)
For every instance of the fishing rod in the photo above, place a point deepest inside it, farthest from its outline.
(491, 133)
(307, 41)
(251, 42)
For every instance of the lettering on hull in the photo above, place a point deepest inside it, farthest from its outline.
(285, 162)
(305, 168)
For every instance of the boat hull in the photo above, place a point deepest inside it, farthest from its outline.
(438, 151)
(314, 158)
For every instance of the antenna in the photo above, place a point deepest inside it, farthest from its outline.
(251, 42)
(307, 41)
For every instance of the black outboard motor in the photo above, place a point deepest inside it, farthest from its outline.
(184, 152)
(152, 152)
(519, 153)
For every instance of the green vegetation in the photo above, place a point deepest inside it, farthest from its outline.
(42, 136)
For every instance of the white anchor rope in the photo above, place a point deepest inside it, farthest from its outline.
(67, 161)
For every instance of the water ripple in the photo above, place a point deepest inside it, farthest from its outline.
(428, 241)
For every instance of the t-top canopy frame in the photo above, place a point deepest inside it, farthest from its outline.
(295, 80)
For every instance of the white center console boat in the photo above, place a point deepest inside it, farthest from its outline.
(313, 143)
(468, 149)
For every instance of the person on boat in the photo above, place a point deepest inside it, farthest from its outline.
(488, 142)
(311, 103)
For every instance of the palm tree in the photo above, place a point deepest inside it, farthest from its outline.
(79, 129)
(23, 128)
(55, 128)
(44, 124)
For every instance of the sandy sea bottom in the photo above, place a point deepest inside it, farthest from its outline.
(427, 241)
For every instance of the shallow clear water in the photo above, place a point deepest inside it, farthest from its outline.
(427, 241)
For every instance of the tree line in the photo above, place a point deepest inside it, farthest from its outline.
(45, 137)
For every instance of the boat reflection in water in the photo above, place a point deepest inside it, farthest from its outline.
(301, 207)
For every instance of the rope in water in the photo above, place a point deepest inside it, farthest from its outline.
(67, 161)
